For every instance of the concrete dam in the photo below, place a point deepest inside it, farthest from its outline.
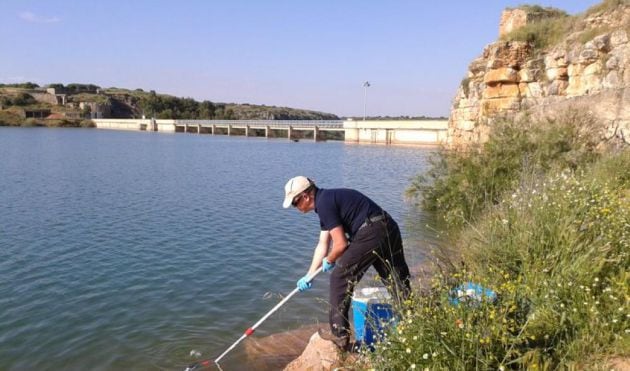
(429, 132)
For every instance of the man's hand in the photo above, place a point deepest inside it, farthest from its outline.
(327, 266)
(303, 284)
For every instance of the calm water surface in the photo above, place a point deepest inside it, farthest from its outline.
(126, 250)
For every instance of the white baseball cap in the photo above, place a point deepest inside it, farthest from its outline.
(294, 187)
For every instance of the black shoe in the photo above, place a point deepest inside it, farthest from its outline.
(340, 341)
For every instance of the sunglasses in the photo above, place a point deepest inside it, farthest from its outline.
(297, 199)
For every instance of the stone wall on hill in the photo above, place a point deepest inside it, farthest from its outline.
(512, 77)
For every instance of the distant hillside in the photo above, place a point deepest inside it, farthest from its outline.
(59, 105)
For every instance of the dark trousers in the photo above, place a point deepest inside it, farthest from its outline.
(380, 245)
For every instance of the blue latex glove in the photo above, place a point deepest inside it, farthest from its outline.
(326, 266)
(303, 284)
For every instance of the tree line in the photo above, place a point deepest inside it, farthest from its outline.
(169, 107)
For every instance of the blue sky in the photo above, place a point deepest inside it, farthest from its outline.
(295, 53)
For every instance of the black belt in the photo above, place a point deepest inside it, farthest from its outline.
(373, 219)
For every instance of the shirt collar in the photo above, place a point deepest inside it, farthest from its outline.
(317, 198)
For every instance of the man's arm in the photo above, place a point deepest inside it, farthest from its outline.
(339, 245)
(320, 251)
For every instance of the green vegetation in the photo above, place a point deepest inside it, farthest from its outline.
(544, 32)
(550, 26)
(161, 106)
(546, 227)
(75, 88)
(24, 85)
(261, 112)
(86, 97)
(21, 99)
(124, 103)
(9, 118)
(462, 185)
(606, 5)
(169, 107)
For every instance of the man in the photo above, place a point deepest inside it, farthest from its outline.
(373, 239)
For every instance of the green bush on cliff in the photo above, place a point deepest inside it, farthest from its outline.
(8, 118)
(544, 32)
(556, 250)
(461, 185)
(21, 99)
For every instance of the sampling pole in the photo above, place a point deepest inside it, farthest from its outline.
(251, 330)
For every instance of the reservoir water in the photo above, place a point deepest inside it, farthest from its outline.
(126, 250)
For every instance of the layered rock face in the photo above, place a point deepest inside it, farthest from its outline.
(514, 77)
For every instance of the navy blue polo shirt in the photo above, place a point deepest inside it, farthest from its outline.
(345, 207)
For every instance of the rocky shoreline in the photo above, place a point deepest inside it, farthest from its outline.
(298, 349)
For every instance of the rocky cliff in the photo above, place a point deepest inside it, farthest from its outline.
(527, 70)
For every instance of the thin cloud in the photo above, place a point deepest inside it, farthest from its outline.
(34, 18)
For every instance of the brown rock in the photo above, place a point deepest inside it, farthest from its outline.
(558, 73)
(275, 351)
(501, 75)
(491, 107)
(618, 38)
(510, 77)
(512, 19)
(506, 54)
(501, 91)
(319, 355)
(530, 90)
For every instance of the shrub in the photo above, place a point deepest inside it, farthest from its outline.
(30, 122)
(462, 184)
(605, 6)
(21, 99)
(542, 33)
(10, 119)
(556, 253)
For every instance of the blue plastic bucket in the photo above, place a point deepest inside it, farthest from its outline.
(372, 313)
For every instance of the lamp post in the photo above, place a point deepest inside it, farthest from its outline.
(365, 86)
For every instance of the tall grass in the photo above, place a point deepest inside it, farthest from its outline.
(553, 242)
(606, 6)
(460, 186)
(557, 253)
(543, 33)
